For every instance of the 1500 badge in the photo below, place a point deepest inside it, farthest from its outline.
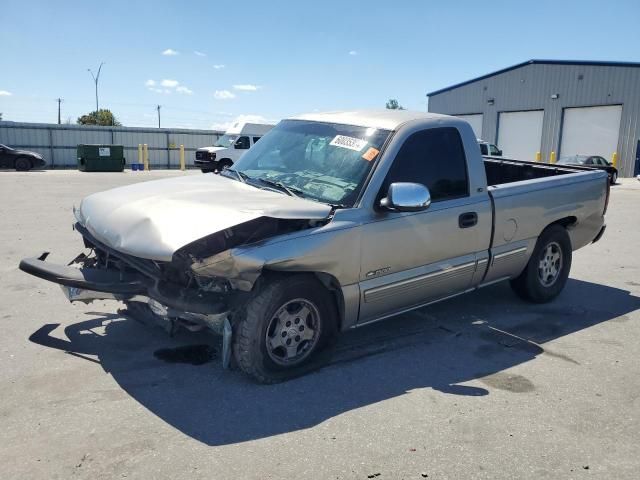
(380, 271)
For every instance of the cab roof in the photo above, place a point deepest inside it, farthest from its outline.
(383, 118)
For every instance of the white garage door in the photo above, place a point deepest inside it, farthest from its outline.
(591, 131)
(475, 120)
(520, 134)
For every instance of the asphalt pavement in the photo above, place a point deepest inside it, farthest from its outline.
(481, 386)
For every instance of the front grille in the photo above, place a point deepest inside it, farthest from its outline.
(201, 155)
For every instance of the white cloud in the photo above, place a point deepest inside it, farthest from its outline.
(353, 52)
(167, 86)
(170, 83)
(246, 87)
(200, 54)
(240, 118)
(219, 66)
(170, 52)
(4, 93)
(223, 95)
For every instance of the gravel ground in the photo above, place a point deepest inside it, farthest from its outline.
(483, 386)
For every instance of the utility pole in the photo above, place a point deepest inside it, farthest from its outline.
(59, 100)
(96, 78)
(158, 108)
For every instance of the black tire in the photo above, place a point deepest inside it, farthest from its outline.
(206, 170)
(22, 164)
(537, 283)
(255, 323)
(224, 163)
(614, 178)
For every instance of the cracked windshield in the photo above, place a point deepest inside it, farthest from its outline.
(324, 162)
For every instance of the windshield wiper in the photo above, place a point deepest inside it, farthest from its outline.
(292, 192)
(241, 176)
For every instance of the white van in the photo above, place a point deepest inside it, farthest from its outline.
(230, 147)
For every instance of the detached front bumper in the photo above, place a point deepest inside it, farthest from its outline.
(109, 281)
(124, 286)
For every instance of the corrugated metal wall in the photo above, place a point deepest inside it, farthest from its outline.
(530, 87)
(57, 143)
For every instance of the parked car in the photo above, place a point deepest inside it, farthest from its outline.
(333, 220)
(489, 149)
(230, 147)
(593, 161)
(21, 160)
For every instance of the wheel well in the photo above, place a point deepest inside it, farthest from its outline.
(328, 281)
(566, 222)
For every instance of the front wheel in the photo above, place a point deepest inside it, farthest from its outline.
(224, 163)
(23, 164)
(548, 269)
(281, 331)
(614, 178)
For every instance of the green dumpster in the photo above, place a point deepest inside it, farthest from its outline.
(101, 158)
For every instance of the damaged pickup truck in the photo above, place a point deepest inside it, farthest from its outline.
(331, 221)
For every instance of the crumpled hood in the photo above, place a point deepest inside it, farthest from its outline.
(154, 219)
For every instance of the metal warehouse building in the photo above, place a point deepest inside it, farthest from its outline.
(566, 107)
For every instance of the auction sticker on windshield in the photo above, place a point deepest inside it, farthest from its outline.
(348, 142)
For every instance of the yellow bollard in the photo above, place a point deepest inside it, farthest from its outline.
(538, 156)
(614, 159)
(140, 154)
(182, 166)
(552, 157)
(145, 149)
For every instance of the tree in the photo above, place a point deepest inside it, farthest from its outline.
(393, 104)
(101, 117)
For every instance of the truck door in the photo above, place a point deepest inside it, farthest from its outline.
(412, 258)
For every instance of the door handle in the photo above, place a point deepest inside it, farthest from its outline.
(468, 219)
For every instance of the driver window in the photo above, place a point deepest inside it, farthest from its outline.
(494, 150)
(242, 143)
(434, 158)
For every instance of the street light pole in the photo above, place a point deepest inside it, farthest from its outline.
(96, 78)
(59, 100)
(158, 108)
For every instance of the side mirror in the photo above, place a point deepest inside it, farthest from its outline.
(406, 197)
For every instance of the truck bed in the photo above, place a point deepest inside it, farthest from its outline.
(503, 170)
(528, 196)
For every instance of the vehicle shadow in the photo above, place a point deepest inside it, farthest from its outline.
(436, 347)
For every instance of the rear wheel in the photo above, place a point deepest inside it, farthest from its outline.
(22, 164)
(548, 269)
(281, 331)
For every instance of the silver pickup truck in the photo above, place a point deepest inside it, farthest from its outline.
(331, 221)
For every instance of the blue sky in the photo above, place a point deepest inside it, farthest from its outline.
(272, 59)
